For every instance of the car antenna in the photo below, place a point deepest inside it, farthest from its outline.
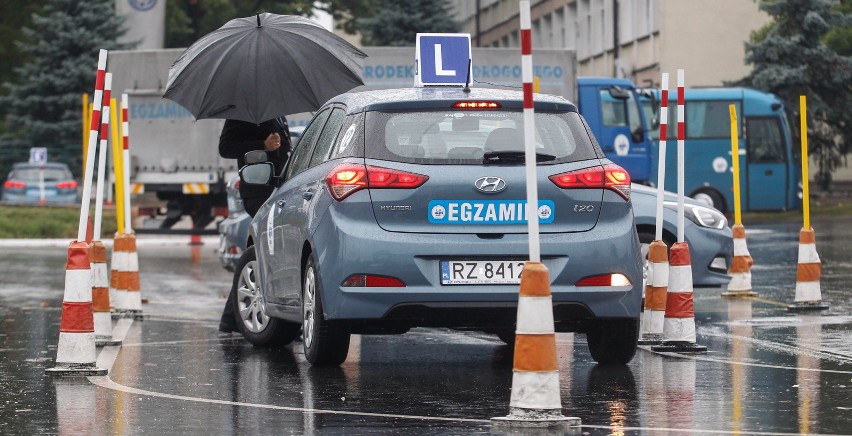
(258, 19)
(467, 81)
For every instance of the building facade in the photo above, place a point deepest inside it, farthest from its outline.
(634, 39)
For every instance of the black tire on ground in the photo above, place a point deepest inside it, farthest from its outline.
(613, 341)
(255, 325)
(326, 342)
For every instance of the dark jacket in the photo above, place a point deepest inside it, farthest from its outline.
(241, 137)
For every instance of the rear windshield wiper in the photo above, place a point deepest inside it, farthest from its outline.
(513, 156)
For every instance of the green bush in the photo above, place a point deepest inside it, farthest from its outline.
(48, 222)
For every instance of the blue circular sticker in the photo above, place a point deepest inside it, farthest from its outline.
(142, 5)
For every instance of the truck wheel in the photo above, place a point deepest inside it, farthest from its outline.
(255, 325)
(613, 341)
(326, 342)
(712, 198)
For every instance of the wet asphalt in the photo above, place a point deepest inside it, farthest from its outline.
(766, 370)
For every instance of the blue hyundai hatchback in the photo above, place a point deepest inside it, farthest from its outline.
(405, 208)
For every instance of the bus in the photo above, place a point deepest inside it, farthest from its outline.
(770, 178)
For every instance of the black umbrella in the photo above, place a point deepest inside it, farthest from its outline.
(258, 68)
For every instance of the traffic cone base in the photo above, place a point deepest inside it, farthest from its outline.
(679, 324)
(535, 399)
(808, 273)
(656, 290)
(680, 347)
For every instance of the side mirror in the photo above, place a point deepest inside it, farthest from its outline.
(619, 93)
(255, 156)
(256, 174)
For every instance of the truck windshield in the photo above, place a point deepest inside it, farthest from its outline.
(620, 112)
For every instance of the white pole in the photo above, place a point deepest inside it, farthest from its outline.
(661, 166)
(99, 189)
(680, 155)
(93, 143)
(529, 138)
(125, 139)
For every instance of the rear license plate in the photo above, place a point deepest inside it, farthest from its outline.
(480, 272)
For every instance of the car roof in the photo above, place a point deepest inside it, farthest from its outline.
(443, 97)
(21, 165)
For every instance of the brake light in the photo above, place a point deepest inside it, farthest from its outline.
(346, 179)
(371, 281)
(477, 105)
(67, 185)
(609, 176)
(605, 280)
(14, 184)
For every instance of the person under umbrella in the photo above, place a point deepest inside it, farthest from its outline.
(237, 139)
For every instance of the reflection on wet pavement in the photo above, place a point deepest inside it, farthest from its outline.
(767, 370)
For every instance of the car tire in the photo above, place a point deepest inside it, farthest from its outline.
(326, 343)
(249, 309)
(712, 198)
(613, 341)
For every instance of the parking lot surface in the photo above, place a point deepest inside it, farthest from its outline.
(767, 370)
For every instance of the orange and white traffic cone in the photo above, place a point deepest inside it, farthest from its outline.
(117, 287)
(740, 271)
(133, 295)
(535, 396)
(75, 353)
(679, 323)
(100, 295)
(656, 288)
(808, 272)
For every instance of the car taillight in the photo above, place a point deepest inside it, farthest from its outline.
(346, 179)
(605, 280)
(609, 176)
(14, 184)
(371, 281)
(67, 185)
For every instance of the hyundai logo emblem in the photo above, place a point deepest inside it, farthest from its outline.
(489, 185)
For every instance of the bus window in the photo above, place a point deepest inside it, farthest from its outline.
(621, 113)
(765, 143)
(708, 119)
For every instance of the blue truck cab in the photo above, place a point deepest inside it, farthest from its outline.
(612, 108)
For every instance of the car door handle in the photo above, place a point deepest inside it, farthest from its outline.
(767, 173)
(307, 195)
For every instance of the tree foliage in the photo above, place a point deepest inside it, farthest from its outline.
(805, 51)
(43, 101)
(396, 22)
(189, 20)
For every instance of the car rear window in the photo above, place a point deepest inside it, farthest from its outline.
(462, 137)
(31, 174)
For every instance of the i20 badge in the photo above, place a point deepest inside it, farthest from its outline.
(489, 185)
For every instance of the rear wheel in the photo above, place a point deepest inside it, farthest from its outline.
(253, 322)
(326, 342)
(613, 341)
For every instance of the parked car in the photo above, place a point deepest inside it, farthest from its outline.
(707, 232)
(711, 244)
(404, 208)
(22, 184)
(233, 230)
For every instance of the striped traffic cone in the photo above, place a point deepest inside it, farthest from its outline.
(75, 353)
(656, 288)
(118, 291)
(808, 272)
(133, 295)
(535, 399)
(740, 271)
(679, 323)
(100, 295)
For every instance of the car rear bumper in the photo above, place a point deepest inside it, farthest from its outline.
(63, 199)
(345, 248)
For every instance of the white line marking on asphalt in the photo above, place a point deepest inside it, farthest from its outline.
(107, 356)
(733, 362)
